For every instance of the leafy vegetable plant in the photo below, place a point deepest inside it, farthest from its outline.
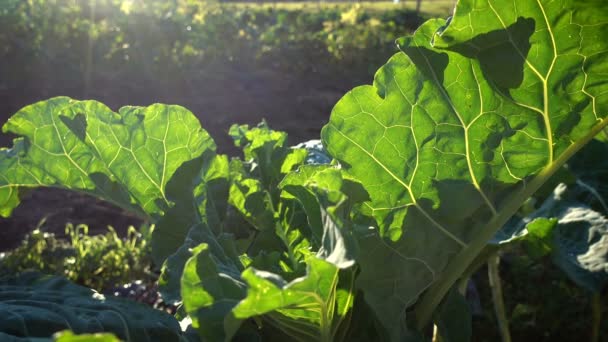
(33, 305)
(99, 262)
(569, 225)
(458, 130)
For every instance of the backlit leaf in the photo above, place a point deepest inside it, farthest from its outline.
(461, 127)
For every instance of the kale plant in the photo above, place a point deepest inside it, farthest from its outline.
(462, 126)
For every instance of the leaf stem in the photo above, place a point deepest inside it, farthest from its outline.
(433, 296)
(436, 335)
(497, 297)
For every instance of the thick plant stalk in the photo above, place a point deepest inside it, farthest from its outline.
(497, 297)
(436, 336)
(459, 264)
(596, 308)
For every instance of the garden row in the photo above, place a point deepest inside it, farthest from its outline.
(477, 136)
(163, 40)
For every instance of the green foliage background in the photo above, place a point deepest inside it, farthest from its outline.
(166, 39)
(96, 261)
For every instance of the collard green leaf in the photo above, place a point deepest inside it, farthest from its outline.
(34, 305)
(173, 267)
(68, 336)
(64, 336)
(580, 247)
(292, 231)
(280, 221)
(304, 308)
(250, 198)
(310, 308)
(327, 195)
(538, 240)
(219, 285)
(279, 224)
(295, 184)
(210, 289)
(338, 246)
(461, 127)
(584, 184)
(267, 154)
(172, 227)
(264, 261)
(147, 160)
(127, 157)
(212, 194)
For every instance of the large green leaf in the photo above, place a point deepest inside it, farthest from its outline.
(328, 196)
(250, 198)
(63, 336)
(212, 194)
(267, 154)
(210, 289)
(148, 160)
(313, 306)
(173, 268)
(127, 157)
(459, 129)
(34, 305)
(310, 308)
(295, 184)
(280, 222)
(68, 336)
(200, 191)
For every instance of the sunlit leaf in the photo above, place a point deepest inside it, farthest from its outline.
(309, 308)
(144, 159)
(459, 129)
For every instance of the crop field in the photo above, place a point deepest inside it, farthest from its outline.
(303, 171)
(434, 8)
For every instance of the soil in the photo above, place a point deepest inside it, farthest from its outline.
(219, 96)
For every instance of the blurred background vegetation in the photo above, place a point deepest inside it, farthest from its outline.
(227, 62)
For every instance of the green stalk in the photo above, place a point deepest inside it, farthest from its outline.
(596, 309)
(497, 297)
(433, 296)
(436, 336)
